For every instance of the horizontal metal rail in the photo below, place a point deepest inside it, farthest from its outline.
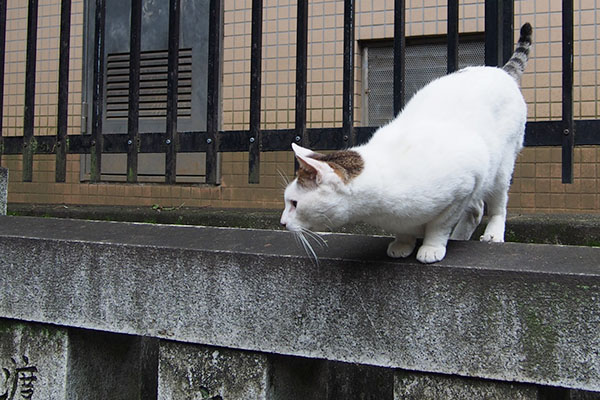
(543, 133)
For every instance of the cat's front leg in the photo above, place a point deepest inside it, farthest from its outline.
(402, 247)
(436, 237)
(428, 254)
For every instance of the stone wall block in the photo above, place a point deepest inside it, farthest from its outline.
(189, 371)
(104, 365)
(421, 386)
(296, 378)
(33, 360)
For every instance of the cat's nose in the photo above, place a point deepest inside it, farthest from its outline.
(283, 224)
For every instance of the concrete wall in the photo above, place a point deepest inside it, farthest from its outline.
(208, 313)
(51, 362)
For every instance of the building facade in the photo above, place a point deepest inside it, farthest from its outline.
(537, 185)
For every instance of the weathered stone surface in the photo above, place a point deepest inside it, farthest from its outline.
(49, 362)
(527, 313)
(105, 365)
(416, 386)
(205, 372)
(3, 190)
(33, 361)
(296, 378)
(189, 371)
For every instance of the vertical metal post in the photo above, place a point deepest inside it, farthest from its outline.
(508, 31)
(452, 36)
(255, 93)
(133, 112)
(29, 144)
(172, 87)
(568, 139)
(98, 95)
(399, 54)
(348, 80)
(492, 29)
(301, 72)
(214, 80)
(301, 76)
(2, 53)
(63, 91)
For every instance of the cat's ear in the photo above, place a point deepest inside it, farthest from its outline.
(314, 169)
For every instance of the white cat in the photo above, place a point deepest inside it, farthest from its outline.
(428, 172)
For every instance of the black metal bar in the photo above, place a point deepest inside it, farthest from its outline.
(214, 79)
(98, 95)
(348, 79)
(399, 54)
(255, 146)
(452, 36)
(301, 76)
(29, 111)
(301, 72)
(133, 112)
(568, 140)
(63, 91)
(172, 87)
(508, 30)
(492, 37)
(2, 54)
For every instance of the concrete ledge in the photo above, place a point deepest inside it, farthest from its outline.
(3, 190)
(570, 229)
(511, 312)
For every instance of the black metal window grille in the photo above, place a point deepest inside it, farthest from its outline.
(498, 46)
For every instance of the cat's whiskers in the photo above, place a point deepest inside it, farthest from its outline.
(307, 246)
(316, 237)
(285, 180)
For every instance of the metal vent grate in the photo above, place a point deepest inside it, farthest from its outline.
(153, 84)
(424, 63)
(381, 85)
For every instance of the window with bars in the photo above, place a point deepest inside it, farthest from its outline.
(425, 60)
(191, 91)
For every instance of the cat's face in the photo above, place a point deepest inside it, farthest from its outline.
(315, 209)
(319, 198)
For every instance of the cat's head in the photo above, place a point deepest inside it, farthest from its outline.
(320, 196)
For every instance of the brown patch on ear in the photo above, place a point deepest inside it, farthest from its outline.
(307, 177)
(348, 164)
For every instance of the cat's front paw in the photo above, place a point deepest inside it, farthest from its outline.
(431, 254)
(400, 249)
(490, 237)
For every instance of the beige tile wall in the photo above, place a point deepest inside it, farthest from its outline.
(537, 185)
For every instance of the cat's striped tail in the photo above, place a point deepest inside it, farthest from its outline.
(516, 65)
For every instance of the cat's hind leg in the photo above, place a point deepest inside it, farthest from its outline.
(494, 231)
(469, 221)
(402, 247)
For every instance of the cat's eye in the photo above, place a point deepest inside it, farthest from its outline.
(294, 203)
